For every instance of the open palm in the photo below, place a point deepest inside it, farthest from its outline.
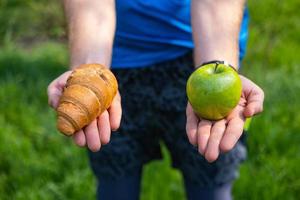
(96, 133)
(213, 137)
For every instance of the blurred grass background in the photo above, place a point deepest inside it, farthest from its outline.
(38, 163)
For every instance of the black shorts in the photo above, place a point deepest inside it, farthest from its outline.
(154, 103)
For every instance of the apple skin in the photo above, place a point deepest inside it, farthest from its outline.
(214, 90)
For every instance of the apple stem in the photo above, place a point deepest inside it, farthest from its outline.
(216, 66)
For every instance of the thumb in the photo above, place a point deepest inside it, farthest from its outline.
(254, 103)
(55, 89)
(53, 95)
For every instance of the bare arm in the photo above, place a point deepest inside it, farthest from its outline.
(216, 27)
(91, 30)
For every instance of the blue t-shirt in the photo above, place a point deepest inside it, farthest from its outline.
(152, 31)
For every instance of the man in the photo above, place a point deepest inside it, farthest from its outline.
(148, 43)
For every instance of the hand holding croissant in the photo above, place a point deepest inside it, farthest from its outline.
(80, 97)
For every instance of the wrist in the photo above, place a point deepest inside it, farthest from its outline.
(88, 58)
(90, 51)
(219, 53)
(218, 62)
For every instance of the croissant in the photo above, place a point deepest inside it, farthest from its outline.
(88, 92)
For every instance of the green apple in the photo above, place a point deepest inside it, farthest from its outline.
(214, 90)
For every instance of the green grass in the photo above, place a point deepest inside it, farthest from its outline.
(31, 21)
(36, 162)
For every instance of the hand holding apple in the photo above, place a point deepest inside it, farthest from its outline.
(213, 137)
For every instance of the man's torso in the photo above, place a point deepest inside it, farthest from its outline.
(152, 31)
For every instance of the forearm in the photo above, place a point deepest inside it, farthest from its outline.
(216, 27)
(91, 30)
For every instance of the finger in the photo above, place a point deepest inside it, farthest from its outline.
(203, 133)
(255, 101)
(92, 136)
(79, 138)
(55, 89)
(115, 113)
(213, 150)
(54, 94)
(232, 133)
(104, 128)
(191, 125)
